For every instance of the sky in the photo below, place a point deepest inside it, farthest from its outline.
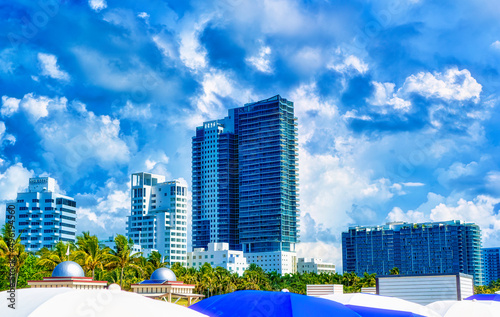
(397, 102)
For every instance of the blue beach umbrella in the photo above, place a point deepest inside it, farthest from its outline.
(270, 304)
(492, 297)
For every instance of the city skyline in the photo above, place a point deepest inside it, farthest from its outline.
(396, 102)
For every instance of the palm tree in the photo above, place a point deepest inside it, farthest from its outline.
(122, 257)
(49, 259)
(394, 271)
(368, 280)
(90, 254)
(12, 251)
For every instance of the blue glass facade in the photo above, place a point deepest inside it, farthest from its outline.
(245, 174)
(491, 264)
(427, 248)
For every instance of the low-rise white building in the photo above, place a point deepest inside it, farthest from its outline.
(282, 262)
(314, 265)
(218, 254)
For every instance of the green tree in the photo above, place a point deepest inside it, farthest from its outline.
(49, 259)
(394, 271)
(12, 251)
(122, 257)
(90, 254)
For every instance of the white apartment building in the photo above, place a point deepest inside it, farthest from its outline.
(158, 217)
(314, 265)
(218, 254)
(42, 216)
(282, 262)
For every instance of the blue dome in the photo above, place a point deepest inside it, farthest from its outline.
(164, 274)
(68, 269)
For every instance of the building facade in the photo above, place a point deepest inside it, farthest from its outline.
(43, 216)
(312, 265)
(423, 248)
(158, 217)
(491, 264)
(218, 254)
(281, 262)
(245, 179)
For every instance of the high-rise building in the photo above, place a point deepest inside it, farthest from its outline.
(491, 264)
(158, 217)
(245, 179)
(43, 216)
(414, 248)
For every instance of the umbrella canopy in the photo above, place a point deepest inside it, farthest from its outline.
(55, 302)
(466, 308)
(492, 297)
(375, 305)
(270, 304)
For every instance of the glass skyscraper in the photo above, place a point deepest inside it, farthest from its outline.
(245, 178)
(491, 264)
(424, 248)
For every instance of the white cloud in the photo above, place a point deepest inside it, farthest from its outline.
(9, 138)
(36, 107)
(261, 62)
(480, 210)
(384, 95)
(98, 5)
(9, 106)
(412, 184)
(496, 45)
(349, 63)
(104, 212)
(397, 214)
(143, 15)
(453, 84)
(135, 112)
(192, 53)
(49, 66)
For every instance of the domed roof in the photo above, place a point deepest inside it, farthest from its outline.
(68, 269)
(164, 274)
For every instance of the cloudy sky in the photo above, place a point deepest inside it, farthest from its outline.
(397, 102)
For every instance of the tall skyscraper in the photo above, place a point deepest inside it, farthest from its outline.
(245, 179)
(423, 248)
(491, 264)
(158, 217)
(42, 216)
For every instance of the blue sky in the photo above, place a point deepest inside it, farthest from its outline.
(397, 102)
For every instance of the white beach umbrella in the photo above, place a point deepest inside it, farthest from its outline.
(55, 302)
(466, 308)
(381, 302)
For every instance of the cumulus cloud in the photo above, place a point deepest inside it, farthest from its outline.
(9, 106)
(384, 95)
(5, 137)
(328, 252)
(397, 214)
(13, 180)
(98, 5)
(453, 84)
(105, 210)
(49, 66)
(35, 107)
(349, 63)
(261, 61)
(192, 53)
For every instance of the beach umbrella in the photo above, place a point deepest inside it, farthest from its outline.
(59, 302)
(490, 297)
(466, 308)
(368, 305)
(270, 304)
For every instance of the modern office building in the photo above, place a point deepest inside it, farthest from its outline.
(218, 254)
(43, 216)
(158, 217)
(491, 264)
(314, 265)
(414, 248)
(245, 179)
